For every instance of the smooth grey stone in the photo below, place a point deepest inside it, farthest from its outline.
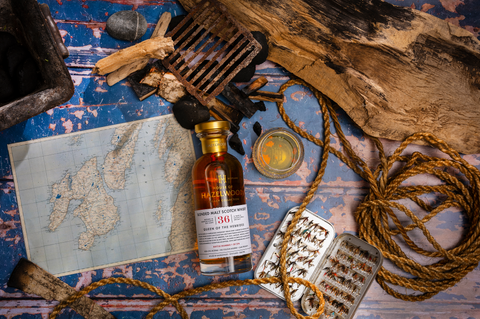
(127, 25)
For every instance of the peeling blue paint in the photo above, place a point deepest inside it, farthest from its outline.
(448, 296)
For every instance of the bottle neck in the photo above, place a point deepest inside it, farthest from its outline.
(213, 142)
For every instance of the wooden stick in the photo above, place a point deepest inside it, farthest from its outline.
(162, 25)
(239, 100)
(32, 279)
(267, 96)
(221, 111)
(126, 70)
(255, 85)
(159, 48)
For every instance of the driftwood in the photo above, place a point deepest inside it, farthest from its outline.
(32, 279)
(394, 70)
(126, 70)
(153, 77)
(158, 48)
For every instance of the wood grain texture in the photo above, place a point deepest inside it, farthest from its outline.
(394, 70)
(158, 47)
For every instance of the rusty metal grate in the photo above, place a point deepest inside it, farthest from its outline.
(210, 48)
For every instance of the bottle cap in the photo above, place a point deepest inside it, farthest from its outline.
(212, 125)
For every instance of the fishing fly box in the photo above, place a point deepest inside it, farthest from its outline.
(343, 268)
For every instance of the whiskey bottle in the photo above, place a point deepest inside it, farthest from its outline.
(221, 215)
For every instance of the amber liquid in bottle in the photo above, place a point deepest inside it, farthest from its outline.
(219, 193)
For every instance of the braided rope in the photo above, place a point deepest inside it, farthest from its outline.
(372, 217)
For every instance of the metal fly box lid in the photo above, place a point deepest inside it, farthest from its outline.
(310, 239)
(343, 268)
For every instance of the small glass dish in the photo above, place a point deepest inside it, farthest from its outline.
(278, 153)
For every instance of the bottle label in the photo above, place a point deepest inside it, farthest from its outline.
(223, 232)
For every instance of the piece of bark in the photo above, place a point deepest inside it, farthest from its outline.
(394, 70)
(32, 279)
(255, 85)
(141, 90)
(153, 77)
(267, 96)
(128, 69)
(170, 88)
(239, 100)
(157, 48)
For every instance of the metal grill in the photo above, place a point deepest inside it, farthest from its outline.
(210, 48)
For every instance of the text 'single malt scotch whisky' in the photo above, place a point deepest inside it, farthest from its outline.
(221, 215)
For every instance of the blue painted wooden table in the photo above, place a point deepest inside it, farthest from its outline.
(95, 104)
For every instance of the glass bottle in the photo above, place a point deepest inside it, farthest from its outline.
(221, 215)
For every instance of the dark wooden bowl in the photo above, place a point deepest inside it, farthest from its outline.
(34, 27)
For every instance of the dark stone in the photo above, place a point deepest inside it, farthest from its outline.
(260, 106)
(126, 25)
(189, 111)
(257, 128)
(14, 56)
(263, 54)
(236, 144)
(6, 87)
(6, 41)
(245, 74)
(27, 77)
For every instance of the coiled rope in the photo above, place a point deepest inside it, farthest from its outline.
(373, 219)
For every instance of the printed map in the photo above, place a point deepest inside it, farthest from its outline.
(107, 196)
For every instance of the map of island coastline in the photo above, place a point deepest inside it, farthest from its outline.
(106, 196)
